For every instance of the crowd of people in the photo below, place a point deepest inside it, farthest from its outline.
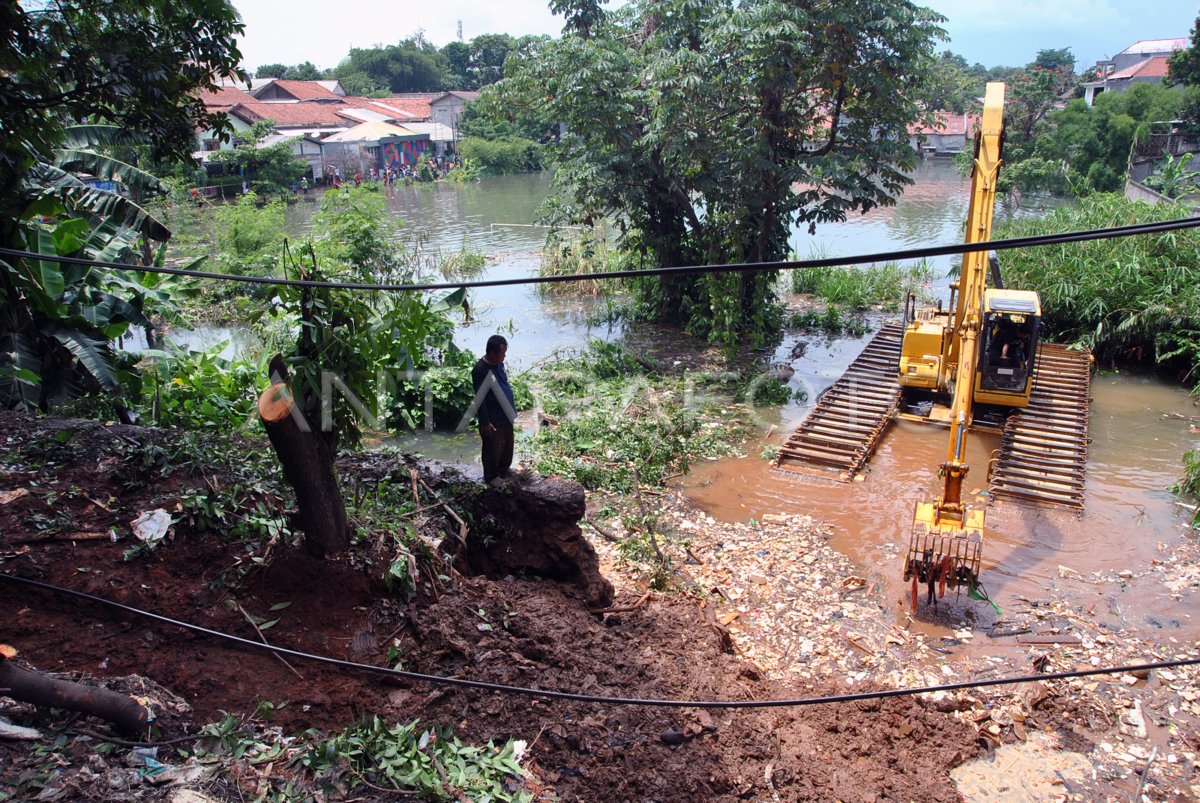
(390, 174)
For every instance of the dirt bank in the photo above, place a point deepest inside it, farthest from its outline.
(62, 499)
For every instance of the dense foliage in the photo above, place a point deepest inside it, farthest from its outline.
(691, 122)
(132, 71)
(267, 169)
(1131, 300)
(306, 71)
(620, 426)
(133, 63)
(1088, 147)
(502, 155)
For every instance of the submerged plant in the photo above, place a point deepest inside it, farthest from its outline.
(860, 289)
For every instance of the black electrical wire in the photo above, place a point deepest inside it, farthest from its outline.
(748, 267)
(590, 698)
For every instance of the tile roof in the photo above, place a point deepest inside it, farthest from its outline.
(1155, 46)
(292, 115)
(303, 90)
(222, 98)
(416, 107)
(1153, 67)
(946, 124)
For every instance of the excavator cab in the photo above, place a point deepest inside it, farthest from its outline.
(1007, 347)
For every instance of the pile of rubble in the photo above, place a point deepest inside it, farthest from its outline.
(800, 611)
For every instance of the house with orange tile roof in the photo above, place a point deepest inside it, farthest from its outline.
(947, 134)
(1143, 62)
(288, 90)
(311, 112)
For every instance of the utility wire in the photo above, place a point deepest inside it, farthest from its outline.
(748, 267)
(589, 698)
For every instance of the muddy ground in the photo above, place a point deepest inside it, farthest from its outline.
(61, 498)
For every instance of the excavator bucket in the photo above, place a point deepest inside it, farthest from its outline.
(943, 556)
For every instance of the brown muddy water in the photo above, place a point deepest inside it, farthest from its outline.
(1029, 553)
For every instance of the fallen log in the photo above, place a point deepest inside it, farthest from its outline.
(307, 465)
(125, 713)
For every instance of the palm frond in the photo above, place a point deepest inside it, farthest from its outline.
(94, 355)
(109, 169)
(94, 136)
(79, 198)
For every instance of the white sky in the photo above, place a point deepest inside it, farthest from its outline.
(1008, 32)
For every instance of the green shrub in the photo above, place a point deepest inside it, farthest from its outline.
(1131, 300)
(249, 237)
(202, 390)
(863, 288)
(502, 156)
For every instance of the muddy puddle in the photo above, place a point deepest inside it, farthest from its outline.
(1134, 457)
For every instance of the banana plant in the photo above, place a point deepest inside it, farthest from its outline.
(58, 322)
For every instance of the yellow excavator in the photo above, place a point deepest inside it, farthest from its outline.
(976, 352)
(975, 365)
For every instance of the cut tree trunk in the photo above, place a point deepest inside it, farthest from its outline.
(308, 468)
(126, 713)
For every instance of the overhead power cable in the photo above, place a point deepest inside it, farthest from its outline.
(590, 698)
(747, 267)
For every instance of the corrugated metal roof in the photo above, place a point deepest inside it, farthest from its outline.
(366, 115)
(370, 132)
(438, 132)
(1149, 46)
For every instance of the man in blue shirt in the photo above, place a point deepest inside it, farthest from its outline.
(496, 409)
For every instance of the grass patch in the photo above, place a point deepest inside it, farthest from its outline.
(582, 251)
(860, 289)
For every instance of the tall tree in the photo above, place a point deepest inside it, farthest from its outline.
(138, 64)
(305, 71)
(413, 65)
(951, 86)
(709, 128)
(271, 71)
(1183, 67)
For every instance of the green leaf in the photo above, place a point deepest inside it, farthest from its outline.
(68, 236)
(94, 355)
(279, 606)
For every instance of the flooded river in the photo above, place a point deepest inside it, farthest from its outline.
(1133, 458)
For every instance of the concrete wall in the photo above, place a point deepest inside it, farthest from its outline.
(1138, 192)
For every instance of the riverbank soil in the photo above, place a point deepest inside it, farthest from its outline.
(763, 612)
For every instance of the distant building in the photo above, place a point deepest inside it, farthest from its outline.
(373, 145)
(1143, 62)
(448, 107)
(948, 134)
(319, 112)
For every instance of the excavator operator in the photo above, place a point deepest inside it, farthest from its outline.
(1009, 346)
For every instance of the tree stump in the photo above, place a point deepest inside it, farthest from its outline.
(308, 468)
